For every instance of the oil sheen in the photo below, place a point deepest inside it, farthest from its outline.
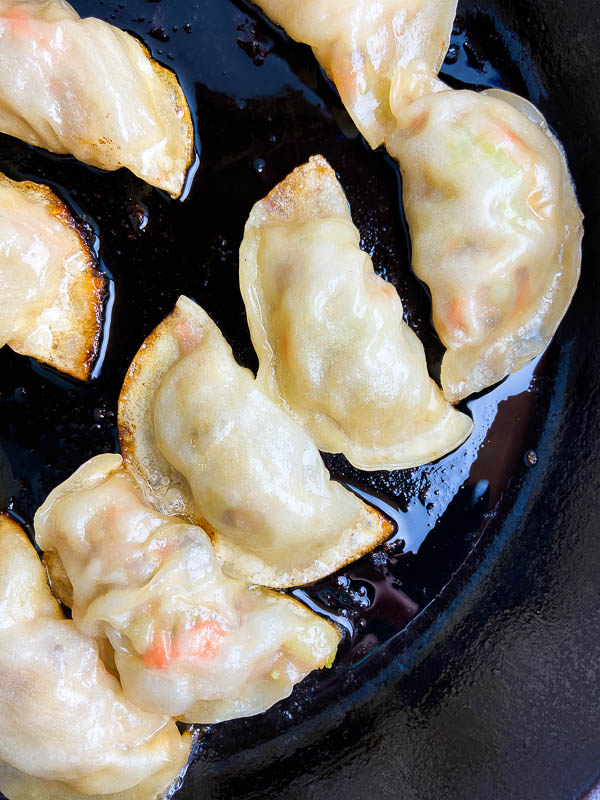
(261, 107)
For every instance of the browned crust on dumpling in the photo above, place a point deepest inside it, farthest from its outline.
(168, 78)
(9, 526)
(169, 491)
(138, 447)
(74, 351)
(311, 191)
(59, 580)
(370, 530)
(11, 530)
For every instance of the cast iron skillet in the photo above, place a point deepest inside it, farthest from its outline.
(491, 689)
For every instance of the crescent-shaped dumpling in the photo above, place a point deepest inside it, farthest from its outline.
(207, 444)
(84, 87)
(495, 227)
(68, 732)
(366, 45)
(51, 295)
(334, 350)
(188, 640)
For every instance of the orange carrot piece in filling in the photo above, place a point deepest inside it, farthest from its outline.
(21, 24)
(18, 20)
(204, 640)
(512, 136)
(161, 651)
(455, 315)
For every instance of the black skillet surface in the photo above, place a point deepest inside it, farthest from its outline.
(492, 689)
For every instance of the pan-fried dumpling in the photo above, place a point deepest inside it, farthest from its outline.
(495, 227)
(365, 46)
(188, 640)
(68, 732)
(206, 443)
(333, 347)
(84, 87)
(51, 296)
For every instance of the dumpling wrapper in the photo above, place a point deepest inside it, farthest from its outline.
(188, 640)
(51, 295)
(493, 217)
(495, 226)
(333, 348)
(84, 87)
(68, 733)
(205, 443)
(365, 46)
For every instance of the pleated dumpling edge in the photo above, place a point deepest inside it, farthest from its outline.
(334, 350)
(259, 535)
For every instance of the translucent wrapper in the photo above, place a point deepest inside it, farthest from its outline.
(51, 294)
(84, 87)
(495, 226)
(68, 732)
(188, 640)
(206, 443)
(334, 350)
(366, 46)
